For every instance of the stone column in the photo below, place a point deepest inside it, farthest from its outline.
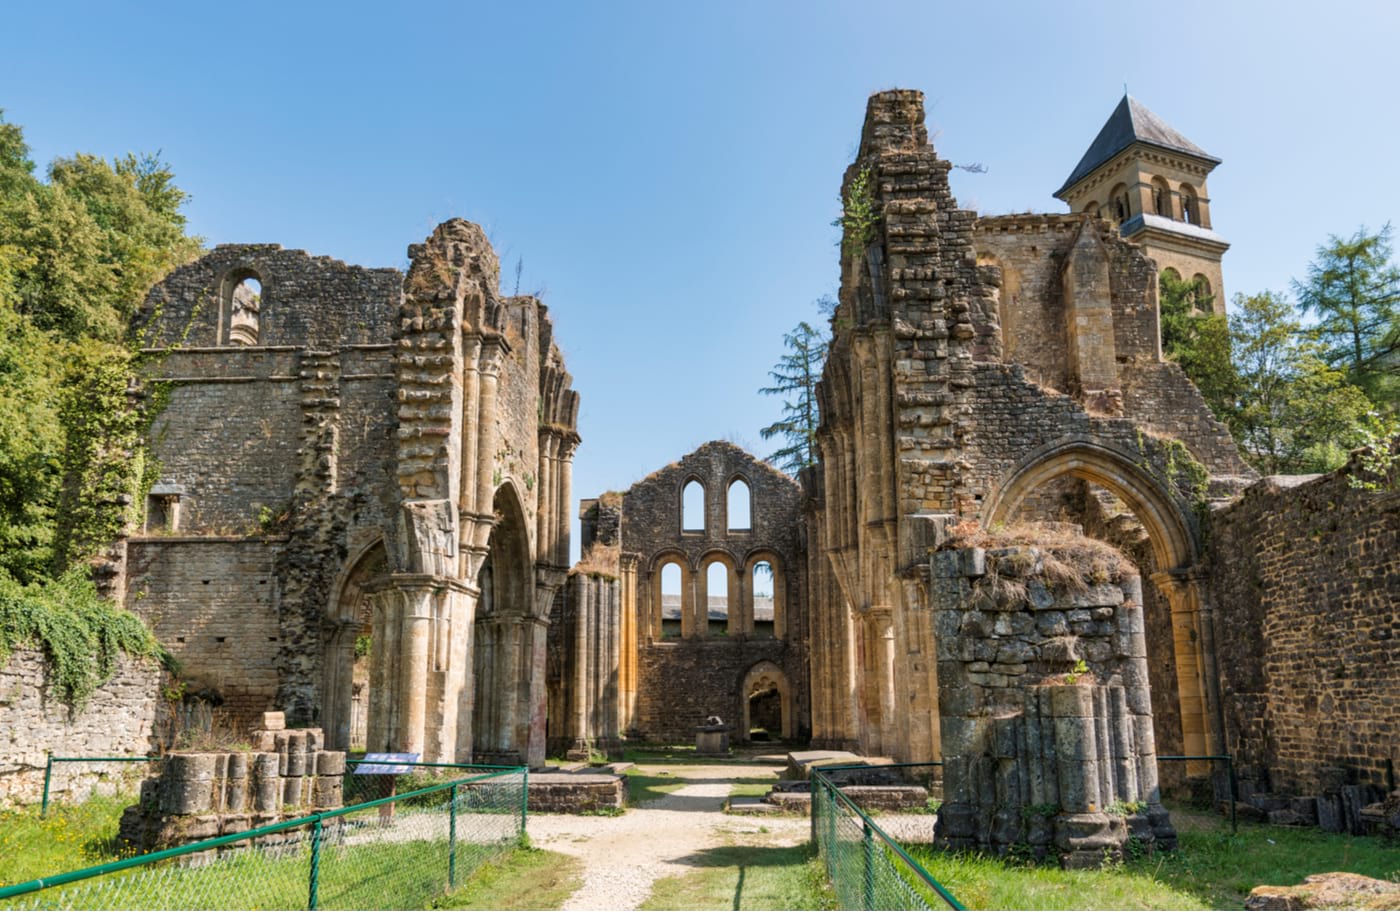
(881, 621)
(1197, 682)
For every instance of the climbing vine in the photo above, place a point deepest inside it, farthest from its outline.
(78, 632)
(859, 213)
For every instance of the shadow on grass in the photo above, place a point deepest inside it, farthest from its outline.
(744, 877)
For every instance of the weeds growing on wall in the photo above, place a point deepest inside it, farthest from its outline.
(79, 633)
(859, 214)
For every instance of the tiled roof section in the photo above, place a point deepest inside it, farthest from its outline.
(1131, 122)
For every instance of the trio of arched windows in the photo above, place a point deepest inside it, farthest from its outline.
(1120, 205)
(719, 598)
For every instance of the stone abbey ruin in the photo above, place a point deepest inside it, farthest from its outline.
(1027, 549)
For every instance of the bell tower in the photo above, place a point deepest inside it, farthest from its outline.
(1150, 181)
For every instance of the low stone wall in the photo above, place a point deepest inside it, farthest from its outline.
(117, 721)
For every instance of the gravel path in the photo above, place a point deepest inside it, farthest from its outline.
(624, 855)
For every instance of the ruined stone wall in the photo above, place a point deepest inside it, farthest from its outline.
(214, 602)
(372, 413)
(116, 721)
(306, 301)
(1306, 574)
(680, 682)
(1044, 703)
(683, 682)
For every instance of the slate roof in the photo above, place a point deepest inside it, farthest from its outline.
(1131, 122)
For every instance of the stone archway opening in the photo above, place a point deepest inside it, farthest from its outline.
(1115, 499)
(348, 647)
(501, 663)
(766, 698)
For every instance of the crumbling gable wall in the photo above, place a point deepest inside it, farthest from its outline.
(677, 682)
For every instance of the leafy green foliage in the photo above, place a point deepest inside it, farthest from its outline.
(1293, 412)
(78, 253)
(860, 215)
(795, 378)
(1353, 290)
(79, 633)
(1198, 339)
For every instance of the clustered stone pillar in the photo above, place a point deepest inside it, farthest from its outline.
(595, 664)
(1045, 709)
(207, 794)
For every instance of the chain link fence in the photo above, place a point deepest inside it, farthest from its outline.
(398, 852)
(79, 778)
(868, 869)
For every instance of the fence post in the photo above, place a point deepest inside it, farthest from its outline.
(48, 772)
(524, 800)
(816, 790)
(869, 840)
(315, 863)
(452, 841)
(1230, 783)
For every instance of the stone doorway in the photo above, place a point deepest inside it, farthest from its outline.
(767, 703)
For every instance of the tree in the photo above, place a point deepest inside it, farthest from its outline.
(795, 378)
(1294, 413)
(77, 255)
(1199, 340)
(1354, 291)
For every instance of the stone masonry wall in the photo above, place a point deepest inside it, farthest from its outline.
(213, 603)
(116, 722)
(680, 682)
(1044, 702)
(1306, 577)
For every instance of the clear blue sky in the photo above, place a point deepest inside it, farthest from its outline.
(668, 172)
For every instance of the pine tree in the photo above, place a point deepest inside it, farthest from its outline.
(795, 378)
(1354, 291)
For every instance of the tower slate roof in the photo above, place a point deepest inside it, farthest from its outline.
(1131, 122)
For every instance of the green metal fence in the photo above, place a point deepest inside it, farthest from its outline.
(62, 775)
(397, 852)
(867, 868)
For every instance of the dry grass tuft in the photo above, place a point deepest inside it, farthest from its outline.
(600, 560)
(1068, 558)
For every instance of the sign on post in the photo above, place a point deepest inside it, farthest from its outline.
(391, 765)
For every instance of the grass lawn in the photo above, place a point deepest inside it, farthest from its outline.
(521, 879)
(72, 836)
(644, 787)
(1213, 869)
(747, 877)
(752, 787)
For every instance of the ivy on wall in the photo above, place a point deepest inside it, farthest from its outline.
(78, 632)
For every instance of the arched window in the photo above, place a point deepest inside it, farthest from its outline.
(672, 602)
(244, 305)
(1161, 197)
(1201, 293)
(718, 599)
(1118, 199)
(1190, 209)
(1091, 207)
(764, 604)
(693, 507)
(738, 506)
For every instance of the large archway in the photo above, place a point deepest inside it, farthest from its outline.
(501, 653)
(1174, 564)
(348, 645)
